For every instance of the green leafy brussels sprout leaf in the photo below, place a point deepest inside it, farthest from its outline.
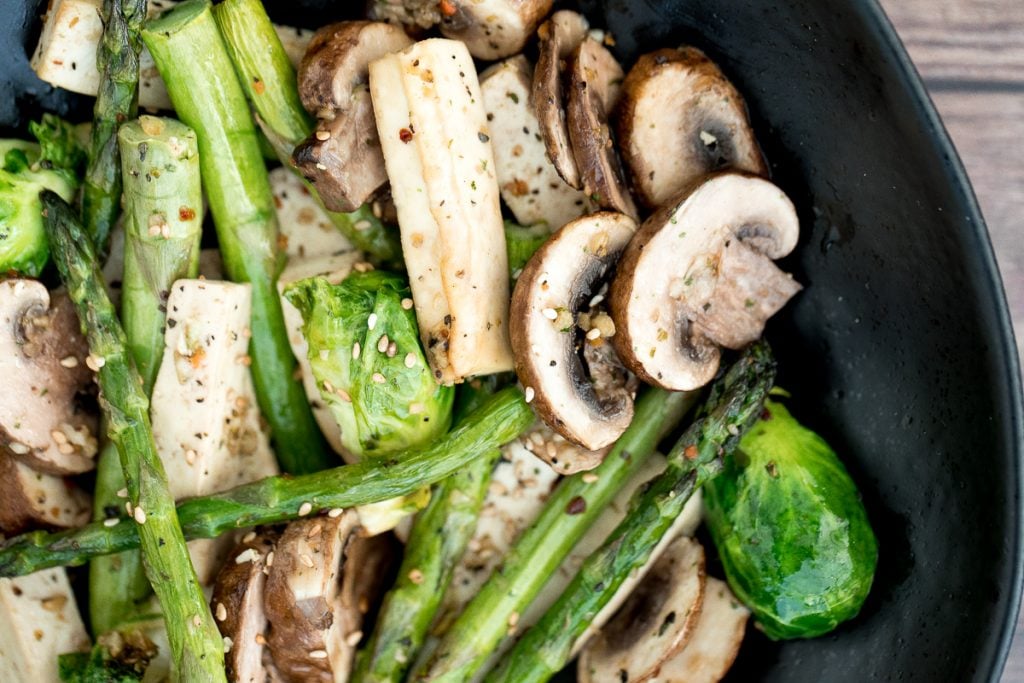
(27, 169)
(365, 353)
(791, 530)
(521, 241)
(96, 666)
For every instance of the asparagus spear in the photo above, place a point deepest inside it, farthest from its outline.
(467, 645)
(196, 647)
(117, 61)
(268, 78)
(698, 456)
(163, 226)
(280, 499)
(193, 61)
(438, 539)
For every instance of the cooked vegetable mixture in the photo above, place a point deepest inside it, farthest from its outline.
(375, 337)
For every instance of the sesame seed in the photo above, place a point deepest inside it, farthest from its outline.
(318, 654)
(317, 528)
(415, 408)
(222, 612)
(733, 429)
(362, 225)
(382, 343)
(69, 362)
(305, 509)
(306, 560)
(249, 537)
(378, 378)
(598, 298)
(407, 304)
(416, 576)
(260, 639)
(128, 507)
(343, 395)
(122, 493)
(362, 267)
(392, 349)
(66, 449)
(190, 456)
(410, 359)
(227, 644)
(589, 478)
(59, 437)
(247, 555)
(549, 313)
(270, 559)
(335, 513)
(113, 521)
(197, 620)
(320, 166)
(323, 135)
(154, 230)
(94, 363)
(140, 515)
(18, 448)
(529, 394)
(371, 321)
(593, 333)
(353, 638)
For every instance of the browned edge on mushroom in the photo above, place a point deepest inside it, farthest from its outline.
(595, 84)
(342, 158)
(558, 38)
(699, 275)
(555, 286)
(653, 623)
(493, 29)
(679, 119)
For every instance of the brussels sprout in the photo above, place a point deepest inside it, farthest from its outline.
(521, 241)
(365, 353)
(26, 170)
(791, 530)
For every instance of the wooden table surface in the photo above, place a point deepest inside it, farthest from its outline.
(971, 55)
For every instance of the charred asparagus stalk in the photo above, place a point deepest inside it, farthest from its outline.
(735, 402)
(437, 541)
(196, 647)
(537, 554)
(163, 226)
(279, 499)
(117, 61)
(194, 63)
(268, 79)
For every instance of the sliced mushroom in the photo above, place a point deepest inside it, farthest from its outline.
(679, 120)
(553, 289)
(493, 29)
(415, 14)
(653, 624)
(44, 368)
(529, 183)
(714, 643)
(31, 499)
(237, 606)
(558, 37)
(39, 619)
(699, 274)
(342, 158)
(595, 83)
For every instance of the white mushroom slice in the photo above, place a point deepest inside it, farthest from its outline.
(205, 419)
(434, 133)
(558, 38)
(679, 120)
(65, 56)
(555, 286)
(32, 498)
(529, 183)
(493, 29)
(714, 643)
(39, 619)
(716, 243)
(306, 229)
(43, 361)
(594, 89)
(653, 624)
(237, 606)
(417, 14)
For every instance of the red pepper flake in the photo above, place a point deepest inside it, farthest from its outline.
(257, 85)
(447, 7)
(576, 506)
(690, 452)
(186, 213)
(405, 135)
(766, 414)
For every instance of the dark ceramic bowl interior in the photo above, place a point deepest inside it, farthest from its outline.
(899, 351)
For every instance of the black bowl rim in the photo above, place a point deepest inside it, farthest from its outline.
(978, 233)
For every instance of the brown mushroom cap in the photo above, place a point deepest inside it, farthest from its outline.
(44, 358)
(699, 274)
(558, 38)
(494, 29)
(653, 623)
(342, 158)
(680, 119)
(594, 88)
(553, 289)
(32, 499)
(237, 605)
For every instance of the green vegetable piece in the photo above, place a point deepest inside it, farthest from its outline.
(364, 349)
(94, 667)
(60, 145)
(522, 241)
(791, 530)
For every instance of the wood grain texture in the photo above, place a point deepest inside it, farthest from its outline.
(971, 55)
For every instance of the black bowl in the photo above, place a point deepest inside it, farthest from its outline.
(899, 352)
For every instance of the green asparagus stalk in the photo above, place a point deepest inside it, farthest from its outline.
(697, 457)
(163, 227)
(268, 79)
(117, 61)
(193, 61)
(196, 646)
(539, 551)
(280, 499)
(437, 541)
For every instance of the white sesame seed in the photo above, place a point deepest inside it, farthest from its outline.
(415, 408)
(328, 387)
(222, 612)
(128, 507)
(392, 349)
(94, 363)
(343, 395)
(410, 359)
(227, 644)
(407, 304)
(323, 135)
(371, 321)
(335, 513)
(305, 509)
(249, 537)
(529, 394)
(378, 378)
(363, 267)
(270, 559)
(593, 333)
(260, 639)
(69, 362)
(353, 638)
(549, 313)
(59, 437)
(140, 515)
(733, 429)
(18, 448)
(190, 456)
(362, 225)
(318, 654)
(320, 166)
(113, 521)
(306, 560)
(598, 298)
(122, 493)
(589, 478)
(317, 528)
(247, 555)
(382, 343)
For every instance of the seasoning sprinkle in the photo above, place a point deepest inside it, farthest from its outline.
(249, 537)
(353, 638)
(335, 513)
(140, 515)
(406, 304)
(382, 343)
(355, 350)
(549, 313)
(113, 521)
(69, 362)
(305, 509)
(222, 612)
(318, 654)
(378, 378)
(371, 321)
(416, 576)
(306, 560)
(529, 394)
(410, 359)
